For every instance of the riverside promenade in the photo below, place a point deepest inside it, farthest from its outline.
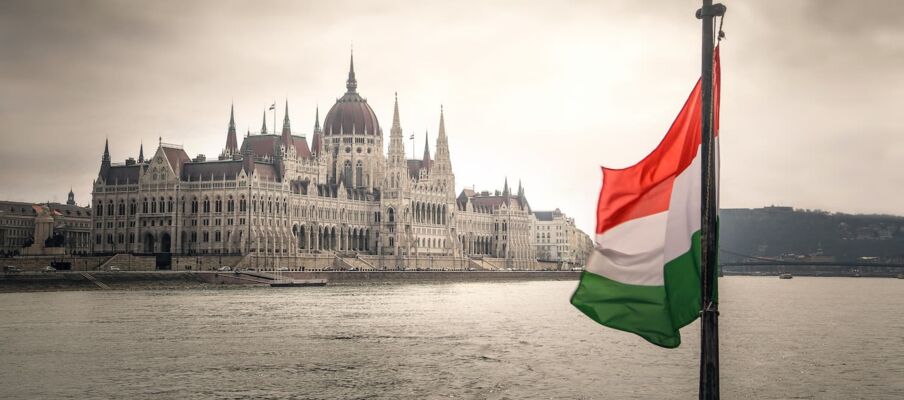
(152, 280)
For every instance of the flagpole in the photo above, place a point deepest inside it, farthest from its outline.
(709, 326)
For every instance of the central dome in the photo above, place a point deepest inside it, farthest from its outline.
(351, 113)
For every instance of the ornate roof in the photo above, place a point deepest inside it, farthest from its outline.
(351, 113)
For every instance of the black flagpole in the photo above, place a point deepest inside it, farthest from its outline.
(709, 325)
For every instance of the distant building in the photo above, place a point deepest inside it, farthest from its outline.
(557, 239)
(25, 227)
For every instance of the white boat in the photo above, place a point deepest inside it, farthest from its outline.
(785, 276)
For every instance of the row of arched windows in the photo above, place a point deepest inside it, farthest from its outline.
(430, 213)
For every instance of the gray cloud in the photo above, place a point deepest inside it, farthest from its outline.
(539, 91)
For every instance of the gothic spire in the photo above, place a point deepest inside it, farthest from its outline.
(231, 141)
(317, 120)
(141, 153)
(351, 84)
(442, 124)
(106, 157)
(505, 189)
(286, 129)
(396, 121)
(427, 161)
(264, 125)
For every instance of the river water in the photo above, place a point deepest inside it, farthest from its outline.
(836, 338)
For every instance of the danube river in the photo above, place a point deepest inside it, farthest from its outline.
(838, 338)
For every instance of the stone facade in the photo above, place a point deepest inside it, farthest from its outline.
(27, 226)
(557, 239)
(279, 197)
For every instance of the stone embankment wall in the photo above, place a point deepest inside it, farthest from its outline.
(307, 262)
(29, 281)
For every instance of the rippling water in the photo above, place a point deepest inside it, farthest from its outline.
(804, 338)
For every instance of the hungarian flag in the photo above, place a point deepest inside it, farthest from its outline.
(643, 275)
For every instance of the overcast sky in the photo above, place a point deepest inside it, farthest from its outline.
(543, 92)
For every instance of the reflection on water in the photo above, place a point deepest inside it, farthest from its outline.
(803, 338)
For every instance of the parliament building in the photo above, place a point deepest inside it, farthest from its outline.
(278, 196)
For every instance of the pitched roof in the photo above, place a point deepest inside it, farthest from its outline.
(212, 170)
(266, 145)
(176, 156)
(123, 174)
(265, 171)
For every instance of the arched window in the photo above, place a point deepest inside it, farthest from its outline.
(243, 204)
(218, 205)
(169, 204)
(230, 204)
(391, 214)
(347, 173)
(122, 208)
(194, 204)
(100, 208)
(161, 205)
(144, 206)
(206, 205)
(359, 173)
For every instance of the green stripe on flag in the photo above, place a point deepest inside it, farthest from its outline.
(655, 313)
(631, 308)
(682, 285)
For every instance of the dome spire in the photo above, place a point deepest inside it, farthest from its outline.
(351, 84)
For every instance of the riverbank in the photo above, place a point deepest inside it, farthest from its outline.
(175, 280)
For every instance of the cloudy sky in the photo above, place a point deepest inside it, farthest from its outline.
(542, 92)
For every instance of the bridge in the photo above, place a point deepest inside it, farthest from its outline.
(754, 261)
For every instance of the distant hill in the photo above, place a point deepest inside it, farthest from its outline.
(782, 231)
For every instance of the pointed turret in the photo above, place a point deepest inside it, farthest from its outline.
(141, 153)
(232, 145)
(351, 84)
(317, 140)
(105, 159)
(397, 158)
(396, 121)
(264, 125)
(287, 130)
(522, 198)
(505, 189)
(443, 163)
(428, 162)
(317, 120)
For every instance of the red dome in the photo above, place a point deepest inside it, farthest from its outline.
(351, 113)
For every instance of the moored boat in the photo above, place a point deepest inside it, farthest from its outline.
(785, 276)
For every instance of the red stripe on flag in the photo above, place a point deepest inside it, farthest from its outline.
(645, 188)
